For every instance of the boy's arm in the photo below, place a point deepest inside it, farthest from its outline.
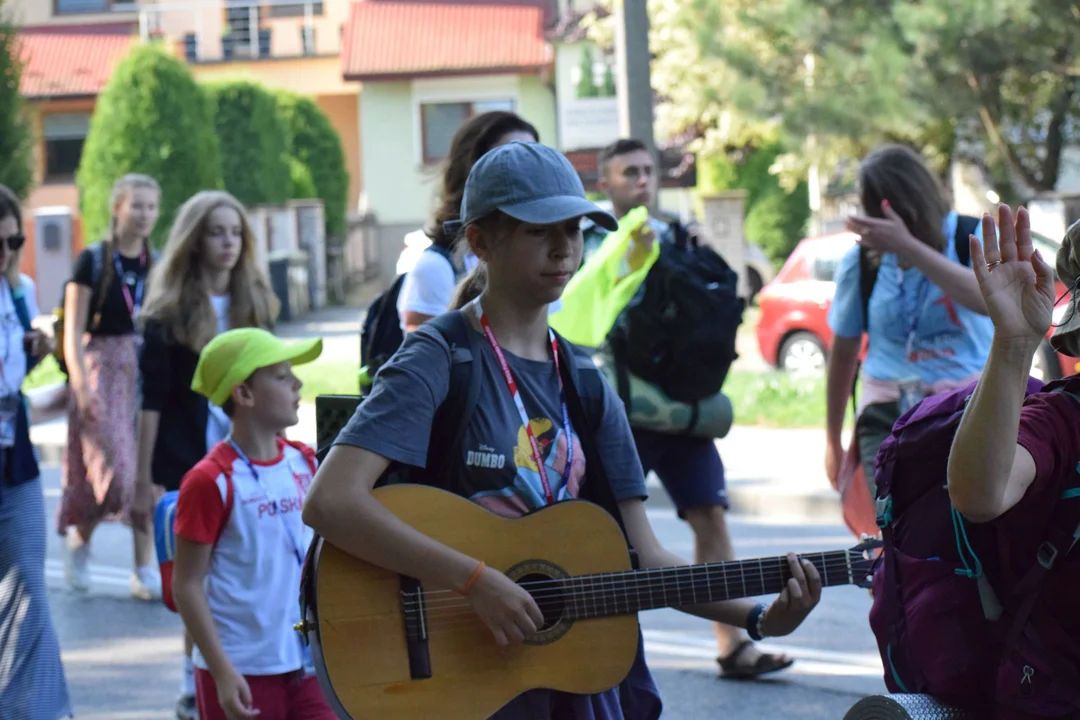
(189, 573)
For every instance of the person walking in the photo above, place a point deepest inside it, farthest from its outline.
(689, 467)
(101, 304)
(238, 564)
(32, 681)
(206, 282)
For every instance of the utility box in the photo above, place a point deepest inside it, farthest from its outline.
(724, 231)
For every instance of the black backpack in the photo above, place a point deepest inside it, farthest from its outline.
(678, 332)
(381, 335)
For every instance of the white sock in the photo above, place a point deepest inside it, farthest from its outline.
(187, 681)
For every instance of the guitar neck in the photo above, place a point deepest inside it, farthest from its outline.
(604, 595)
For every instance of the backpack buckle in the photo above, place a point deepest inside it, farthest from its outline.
(1046, 555)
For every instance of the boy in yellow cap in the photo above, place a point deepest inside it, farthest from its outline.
(240, 540)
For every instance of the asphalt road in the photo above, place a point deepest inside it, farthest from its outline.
(122, 656)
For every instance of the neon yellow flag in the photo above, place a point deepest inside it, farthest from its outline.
(600, 290)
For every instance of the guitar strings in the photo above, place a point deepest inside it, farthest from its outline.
(562, 597)
(450, 618)
(603, 587)
(600, 583)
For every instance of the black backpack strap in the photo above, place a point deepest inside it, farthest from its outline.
(586, 415)
(868, 272)
(454, 415)
(965, 226)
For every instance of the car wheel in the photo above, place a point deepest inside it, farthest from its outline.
(754, 283)
(1045, 365)
(802, 352)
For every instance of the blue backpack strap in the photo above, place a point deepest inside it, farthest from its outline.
(18, 298)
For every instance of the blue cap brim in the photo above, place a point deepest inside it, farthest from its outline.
(549, 210)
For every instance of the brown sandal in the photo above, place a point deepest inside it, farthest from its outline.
(766, 663)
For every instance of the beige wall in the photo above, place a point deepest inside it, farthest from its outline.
(40, 12)
(306, 76)
(206, 18)
(343, 111)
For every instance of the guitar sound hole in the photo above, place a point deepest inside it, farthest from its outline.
(548, 594)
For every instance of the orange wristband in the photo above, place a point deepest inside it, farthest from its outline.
(468, 586)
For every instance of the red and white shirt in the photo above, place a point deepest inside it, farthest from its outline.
(254, 577)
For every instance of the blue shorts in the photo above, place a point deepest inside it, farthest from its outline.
(689, 467)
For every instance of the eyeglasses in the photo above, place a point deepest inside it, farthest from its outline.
(14, 242)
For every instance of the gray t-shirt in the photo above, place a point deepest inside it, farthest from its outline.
(499, 470)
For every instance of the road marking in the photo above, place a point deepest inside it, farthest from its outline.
(685, 650)
(99, 574)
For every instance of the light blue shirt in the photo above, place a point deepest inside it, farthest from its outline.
(916, 330)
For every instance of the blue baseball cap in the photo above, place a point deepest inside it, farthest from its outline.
(529, 182)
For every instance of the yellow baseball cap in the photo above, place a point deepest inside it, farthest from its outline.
(231, 357)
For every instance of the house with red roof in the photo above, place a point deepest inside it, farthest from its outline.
(397, 78)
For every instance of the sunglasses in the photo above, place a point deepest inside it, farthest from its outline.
(14, 242)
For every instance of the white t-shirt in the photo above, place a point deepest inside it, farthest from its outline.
(429, 285)
(12, 355)
(218, 424)
(254, 573)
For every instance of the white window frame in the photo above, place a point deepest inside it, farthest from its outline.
(482, 88)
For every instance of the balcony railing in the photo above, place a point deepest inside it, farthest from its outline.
(209, 31)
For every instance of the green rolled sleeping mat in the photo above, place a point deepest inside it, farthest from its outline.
(652, 409)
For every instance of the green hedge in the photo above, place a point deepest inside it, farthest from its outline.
(16, 134)
(313, 141)
(252, 138)
(152, 118)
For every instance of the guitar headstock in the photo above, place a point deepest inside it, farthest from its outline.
(863, 558)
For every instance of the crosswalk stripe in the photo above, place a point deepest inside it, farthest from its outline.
(99, 574)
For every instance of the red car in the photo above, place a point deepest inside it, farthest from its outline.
(793, 333)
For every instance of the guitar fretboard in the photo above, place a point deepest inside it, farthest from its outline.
(604, 595)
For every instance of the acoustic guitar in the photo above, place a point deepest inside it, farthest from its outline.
(386, 647)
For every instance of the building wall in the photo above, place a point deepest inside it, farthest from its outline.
(344, 114)
(401, 191)
(40, 12)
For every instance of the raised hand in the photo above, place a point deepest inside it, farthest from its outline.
(1016, 282)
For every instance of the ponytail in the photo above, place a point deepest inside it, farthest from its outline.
(470, 288)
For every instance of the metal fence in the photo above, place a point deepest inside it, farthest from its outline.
(354, 259)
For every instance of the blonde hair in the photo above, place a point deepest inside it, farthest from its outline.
(122, 190)
(11, 207)
(179, 297)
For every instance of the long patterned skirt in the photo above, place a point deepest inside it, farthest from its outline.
(99, 462)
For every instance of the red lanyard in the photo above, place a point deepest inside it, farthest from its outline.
(540, 467)
(133, 304)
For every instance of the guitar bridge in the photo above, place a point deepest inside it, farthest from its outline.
(414, 613)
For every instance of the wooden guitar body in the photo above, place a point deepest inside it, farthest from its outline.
(362, 646)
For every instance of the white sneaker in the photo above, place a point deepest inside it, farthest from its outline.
(76, 562)
(146, 584)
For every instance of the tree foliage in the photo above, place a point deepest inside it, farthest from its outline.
(775, 219)
(151, 118)
(313, 141)
(16, 134)
(995, 81)
(254, 164)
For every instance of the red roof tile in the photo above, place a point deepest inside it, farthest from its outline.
(388, 40)
(71, 61)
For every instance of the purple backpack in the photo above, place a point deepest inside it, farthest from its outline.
(947, 623)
